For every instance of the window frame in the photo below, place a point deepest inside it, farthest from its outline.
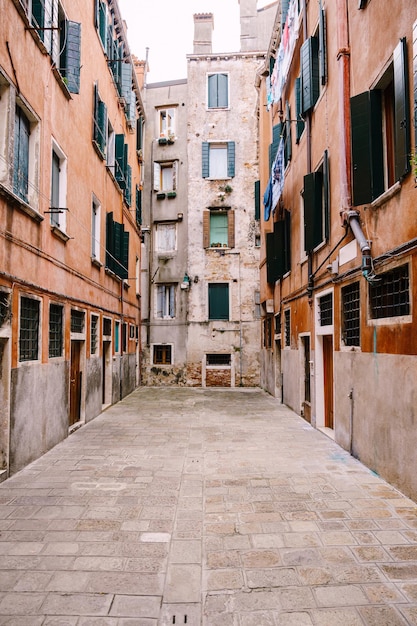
(94, 334)
(217, 92)
(228, 169)
(214, 307)
(52, 336)
(159, 178)
(59, 218)
(164, 113)
(95, 230)
(166, 348)
(160, 238)
(37, 330)
(165, 301)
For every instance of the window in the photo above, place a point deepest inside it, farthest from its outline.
(218, 301)
(219, 359)
(257, 301)
(300, 124)
(390, 297)
(165, 301)
(381, 131)
(117, 247)
(101, 21)
(123, 171)
(117, 337)
(166, 122)
(267, 328)
(95, 229)
(313, 65)
(58, 188)
(5, 309)
(162, 354)
(326, 310)
(278, 249)
(56, 316)
(21, 154)
(138, 206)
(219, 228)
(106, 327)
(287, 328)
(257, 197)
(351, 315)
(100, 123)
(111, 147)
(77, 321)
(218, 160)
(166, 237)
(218, 91)
(29, 329)
(94, 334)
(316, 206)
(124, 337)
(165, 176)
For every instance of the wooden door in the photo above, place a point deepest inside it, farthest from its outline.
(75, 383)
(328, 380)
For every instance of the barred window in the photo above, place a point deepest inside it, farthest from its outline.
(77, 321)
(326, 310)
(287, 327)
(391, 296)
(94, 334)
(351, 315)
(4, 307)
(29, 329)
(218, 359)
(55, 330)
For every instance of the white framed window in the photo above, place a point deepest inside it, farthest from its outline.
(165, 301)
(58, 205)
(166, 237)
(95, 229)
(165, 176)
(166, 122)
(94, 334)
(218, 159)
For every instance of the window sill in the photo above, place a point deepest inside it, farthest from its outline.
(20, 204)
(61, 82)
(96, 262)
(98, 150)
(59, 234)
(387, 195)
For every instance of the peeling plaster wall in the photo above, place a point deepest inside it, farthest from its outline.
(93, 392)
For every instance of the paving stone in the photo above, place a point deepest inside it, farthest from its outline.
(136, 606)
(183, 584)
(340, 595)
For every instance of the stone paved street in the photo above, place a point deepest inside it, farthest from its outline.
(204, 507)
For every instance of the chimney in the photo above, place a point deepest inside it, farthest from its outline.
(203, 31)
(248, 25)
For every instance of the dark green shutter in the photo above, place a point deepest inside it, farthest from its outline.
(231, 159)
(120, 160)
(322, 45)
(367, 149)
(102, 126)
(287, 241)
(110, 242)
(138, 206)
(21, 155)
(126, 82)
(288, 140)
(217, 90)
(218, 301)
(102, 24)
(128, 191)
(326, 195)
(257, 192)
(415, 81)
(125, 255)
(300, 122)
(402, 114)
(38, 17)
(279, 245)
(139, 133)
(118, 243)
(309, 73)
(313, 213)
(205, 159)
(273, 147)
(70, 59)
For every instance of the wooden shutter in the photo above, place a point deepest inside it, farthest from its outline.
(21, 155)
(272, 262)
(128, 191)
(415, 81)
(126, 81)
(217, 90)
(313, 215)
(156, 176)
(257, 194)
(287, 241)
(139, 133)
(273, 147)
(102, 126)
(326, 195)
(206, 229)
(322, 45)
(138, 205)
(119, 154)
(70, 60)
(300, 122)
(205, 159)
(367, 149)
(231, 159)
(402, 114)
(231, 228)
(38, 17)
(288, 141)
(124, 254)
(309, 73)
(102, 18)
(218, 296)
(109, 241)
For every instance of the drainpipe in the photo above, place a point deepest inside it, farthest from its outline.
(343, 59)
(352, 218)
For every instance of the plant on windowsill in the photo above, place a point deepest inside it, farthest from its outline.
(171, 138)
(413, 163)
(172, 194)
(160, 196)
(162, 141)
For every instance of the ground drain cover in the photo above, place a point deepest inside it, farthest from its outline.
(180, 614)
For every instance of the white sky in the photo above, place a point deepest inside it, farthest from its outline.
(167, 29)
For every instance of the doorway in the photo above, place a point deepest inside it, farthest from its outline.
(75, 383)
(328, 380)
(106, 374)
(4, 407)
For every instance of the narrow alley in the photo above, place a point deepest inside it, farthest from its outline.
(204, 507)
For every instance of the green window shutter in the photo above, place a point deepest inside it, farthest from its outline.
(205, 159)
(257, 193)
(70, 59)
(118, 243)
(270, 258)
(322, 45)
(218, 90)
(125, 254)
(313, 213)
(218, 300)
(326, 195)
(300, 122)
(367, 149)
(138, 206)
(309, 74)
(21, 155)
(110, 241)
(38, 17)
(271, 65)
(120, 165)
(102, 17)
(128, 191)
(231, 159)
(287, 241)
(285, 4)
(288, 140)
(273, 147)
(126, 82)
(139, 133)
(402, 114)
(102, 126)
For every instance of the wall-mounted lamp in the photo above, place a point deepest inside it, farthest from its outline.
(185, 282)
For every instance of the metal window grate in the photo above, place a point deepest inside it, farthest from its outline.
(391, 296)
(29, 329)
(77, 321)
(55, 330)
(351, 315)
(218, 359)
(287, 327)
(94, 334)
(4, 307)
(326, 310)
